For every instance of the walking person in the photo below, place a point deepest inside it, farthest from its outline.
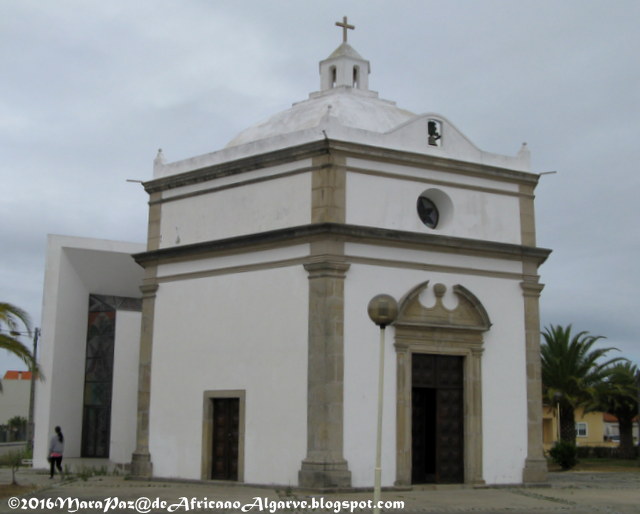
(56, 449)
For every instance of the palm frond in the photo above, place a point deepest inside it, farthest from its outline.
(572, 366)
(17, 348)
(14, 319)
(11, 314)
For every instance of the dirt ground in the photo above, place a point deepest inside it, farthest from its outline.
(578, 491)
(8, 490)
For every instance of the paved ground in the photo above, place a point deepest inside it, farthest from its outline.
(572, 492)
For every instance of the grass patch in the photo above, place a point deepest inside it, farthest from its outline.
(608, 465)
(9, 490)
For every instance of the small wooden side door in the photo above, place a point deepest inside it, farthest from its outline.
(226, 421)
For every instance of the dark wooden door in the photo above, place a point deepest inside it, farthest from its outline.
(226, 421)
(437, 430)
(423, 416)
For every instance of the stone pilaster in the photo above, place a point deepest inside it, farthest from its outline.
(328, 190)
(141, 465)
(535, 467)
(155, 214)
(473, 419)
(527, 216)
(324, 466)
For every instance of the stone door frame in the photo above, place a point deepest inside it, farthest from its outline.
(438, 330)
(207, 430)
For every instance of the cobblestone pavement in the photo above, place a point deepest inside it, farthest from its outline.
(571, 492)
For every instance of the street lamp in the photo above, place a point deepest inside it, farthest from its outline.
(557, 396)
(638, 383)
(382, 310)
(30, 425)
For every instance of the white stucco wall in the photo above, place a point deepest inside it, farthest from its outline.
(429, 176)
(124, 399)
(14, 399)
(255, 207)
(234, 262)
(221, 312)
(392, 204)
(503, 370)
(62, 352)
(244, 331)
(75, 268)
(434, 259)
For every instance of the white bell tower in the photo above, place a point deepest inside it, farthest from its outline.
(344, 67)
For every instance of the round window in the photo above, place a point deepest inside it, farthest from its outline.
(428, 212)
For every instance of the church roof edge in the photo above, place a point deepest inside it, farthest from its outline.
(205, 167)
(371, 235)
(345, 50)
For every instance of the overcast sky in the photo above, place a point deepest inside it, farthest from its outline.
(89, 90)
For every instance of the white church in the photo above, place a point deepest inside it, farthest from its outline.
(236, 345)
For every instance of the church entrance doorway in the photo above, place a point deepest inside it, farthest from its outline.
(439, 387)
(437, 419)
(225, 438)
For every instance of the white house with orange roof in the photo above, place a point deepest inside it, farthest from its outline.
(14, 397)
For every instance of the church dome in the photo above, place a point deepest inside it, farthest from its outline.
(341, 106)
(344, 99)
(346, 110)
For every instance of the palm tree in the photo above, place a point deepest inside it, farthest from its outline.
(570, 372)
(14, 321)
(617, 395)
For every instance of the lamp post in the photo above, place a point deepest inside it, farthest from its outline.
(382, 310)
(557, 396)
(638, 384)
(30, 424)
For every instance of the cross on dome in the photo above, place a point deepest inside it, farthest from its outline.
(345, 26)
(344, 67)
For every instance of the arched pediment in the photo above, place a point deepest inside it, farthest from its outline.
(469, 314)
